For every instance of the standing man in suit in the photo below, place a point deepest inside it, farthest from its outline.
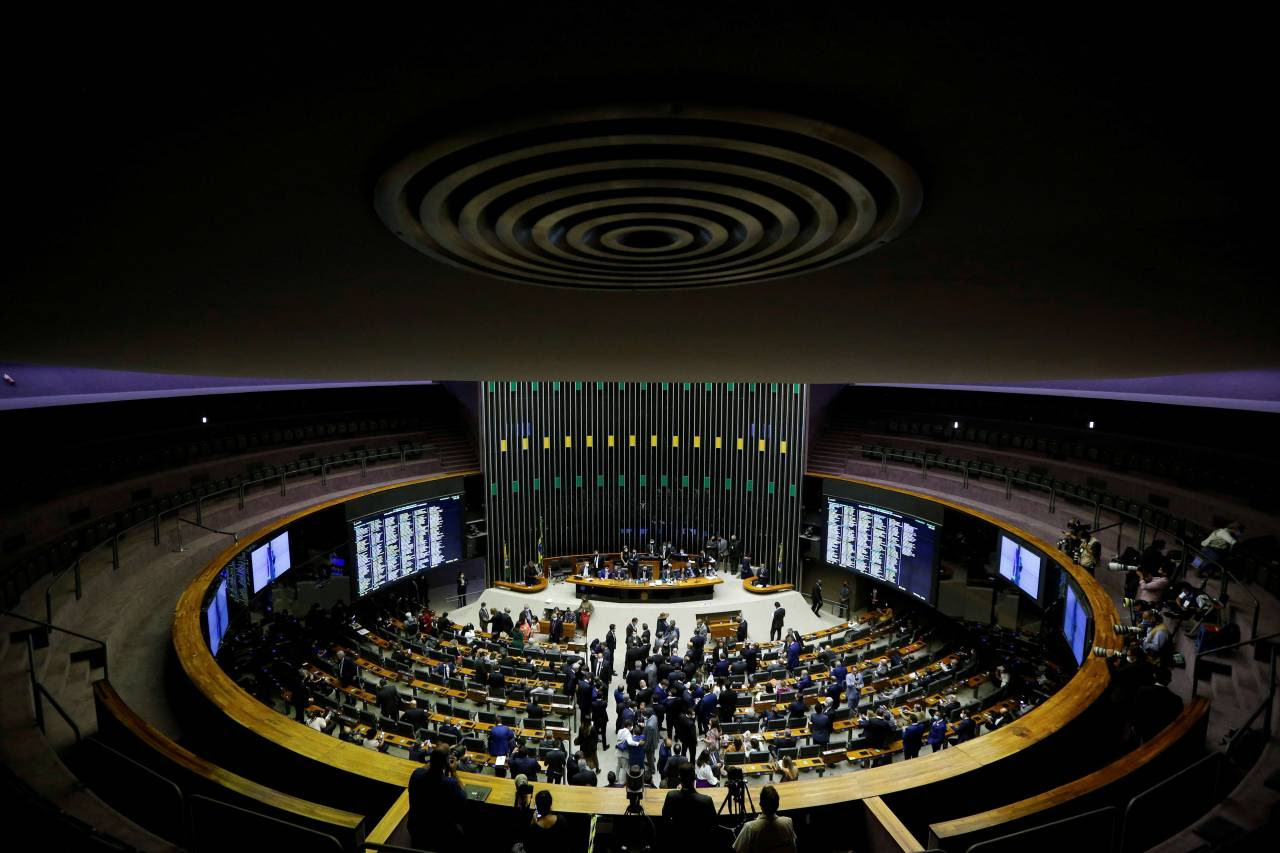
(735, 550)
(388, 700)
(913, 737)
(820, 724)
(816, 597)
(500, 738)
(844, 600)
(793, 653)
(691, 814)
(742, 629)
(483, 617)
(346, 670)
(775, 628)
(462, 588)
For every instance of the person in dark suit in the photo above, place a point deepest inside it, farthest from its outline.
(878, 730)
(557, 627)
(937, 731)
(611, 639)
(415, 716)
(742, 630)
(820, 725)
(965, 729)
(751, 656)
(500, 738)
(692, 815)
(726, 703)
(793, 654)
(913, 737)
(775, 627)
(816, 597)
(436, 801)
(346, 670)
(462, 588)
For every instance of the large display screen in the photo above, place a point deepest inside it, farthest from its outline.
(884, 545)
(270, 561)
(216, 616)
(1075, 624)
(1020, 566)
(400, 542)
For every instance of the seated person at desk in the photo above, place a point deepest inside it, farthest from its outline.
(762, 576)
(531, 573)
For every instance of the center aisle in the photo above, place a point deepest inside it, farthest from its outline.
(756, 609)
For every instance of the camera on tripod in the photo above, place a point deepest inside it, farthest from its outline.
(736, 793)
(635, 789)
(1128, 630)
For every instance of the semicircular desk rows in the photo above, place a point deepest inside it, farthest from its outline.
(461, 682)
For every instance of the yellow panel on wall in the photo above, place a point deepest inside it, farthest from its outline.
(524, 442)
(611, 441)
(568, 441)
(762, 445)
(591, 441)
(717, 442)
(632, 441)
(697, 442)
(546, 442)
(502, 445)
(782, 447)
(739, 444)
(653, 441)
(675, 441)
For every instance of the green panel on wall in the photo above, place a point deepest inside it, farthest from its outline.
(555, 386)
(728, 483)
(515, 485)
(729, 386)
(577, 480)
(493, 489)
(688, 385)
(684, 481)
(622, 479)
(771, 489)
(557, 483)
(599, 385)
(750, 486)
(644, 386)
(662, 481)
(666, 386)
(644, 480)
(791, 490)
(533, 386)
(599, 480)
(537, 484)
(577, 386)
(512, 386)
(491, 386)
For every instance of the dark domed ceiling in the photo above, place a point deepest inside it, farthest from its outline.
(1092, 198)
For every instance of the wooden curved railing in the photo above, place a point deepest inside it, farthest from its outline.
(767, 589)
(1085, 688)
(538, 586)
(960, 833)
(119, 723)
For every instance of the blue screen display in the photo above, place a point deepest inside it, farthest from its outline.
(1075, 624)
(270, 561)
(1020, 566)
(216, 616)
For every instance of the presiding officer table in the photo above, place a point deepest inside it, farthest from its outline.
(687, 589)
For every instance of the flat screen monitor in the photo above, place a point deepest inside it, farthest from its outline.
(1020, 566)
(216, 616)
(1075, 624)
(884, 545)
(397, 543)
(270, 561)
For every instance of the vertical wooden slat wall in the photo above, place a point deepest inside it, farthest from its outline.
(708, 458)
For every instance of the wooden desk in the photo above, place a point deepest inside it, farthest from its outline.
(538, 586)
(690, 589)
(771, 589)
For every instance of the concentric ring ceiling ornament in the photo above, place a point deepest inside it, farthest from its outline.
(649, 198)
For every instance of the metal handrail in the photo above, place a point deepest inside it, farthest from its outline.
(198, 503)
(1221, 649)
(43, 691)
(50, 626)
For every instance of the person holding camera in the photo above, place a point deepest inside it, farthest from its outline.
(435, 803)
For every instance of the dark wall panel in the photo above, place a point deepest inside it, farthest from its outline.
(592, 464)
